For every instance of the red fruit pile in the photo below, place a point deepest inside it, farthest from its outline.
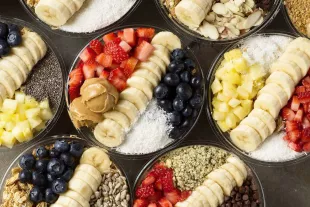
(114, 59)
(158, 190)
(297, 118)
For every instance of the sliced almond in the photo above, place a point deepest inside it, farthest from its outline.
(252, 19)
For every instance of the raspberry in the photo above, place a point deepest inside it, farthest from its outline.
(145, 191)
(112, 48)
(96, 46)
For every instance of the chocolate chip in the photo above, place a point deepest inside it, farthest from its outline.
(242, 189)
(247, 202)
(238, 197)
(255, 196)
(235, 205)
(226, 198)
(233, 193)
(253, 204)
(229, 204)
(245, 197)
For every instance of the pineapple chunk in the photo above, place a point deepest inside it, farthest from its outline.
(9, 126)
(233, 54)
(218, 116)
(222, 97)
(240, 112)
(21, 110)
(248, 85)
(216, 86)
(223, 107)
(40, 127)
(34, 122)
(28, 134)
(216, 103)
(24, 128)
(257, 71)
(2, 123)
(242, 93)
(5, 117)
(18, 134)
(232, 77)
(46, 114)
(234, 102)
(44, 104)
(8, 139)
(247, 105)
(223, 126)
(30, 113)
(20, 97)
(241, 65)
(229, 90)
(30, 102)
(231, 120)
(220, 72)
(9, 106)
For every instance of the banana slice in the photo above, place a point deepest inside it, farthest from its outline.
(298, 57)
(81, 187)
(3, 93)
(264, 117)
(167, 39)
(56, 205)
(118, 117)
(152, 67)
(33, 48)
(144, 73)
(275, 90)
(197, 200)
(163, 53)
(24, 54)
(98, 158)
(216, 189)
(290, 68)
(300, 43)
(221, 179)
(268, 103)
(136, 97)
(70, 5)
(52, 12)
(8, 83)
(78, 3)
(228, 175)
(283, 80)
(90, 169)
(141, 84)
(245, 137)
(39, 42)
(90, 180)
(13, 72)
(183, 204)
(208, 195)
(77, 197)
(19, 63)
(67, 201)
(235, 172)
(258, 125)
(159, 62)
(190, 14)
(238, 164)
(128, 109)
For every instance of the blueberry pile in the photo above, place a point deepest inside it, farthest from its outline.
(10, 36)
(179, 91)
(49, 170)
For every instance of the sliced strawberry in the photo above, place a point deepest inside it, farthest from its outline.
(305, 135)
(304, 97)
(156, 197)
(144, 51)
(140, 203)
(173, 196)
(74, 92)
(185, 194)
(96, 46)
(113, 48)
(126, 47)
(130, 66)
(89, 69)
(104, 60)
(118, 79)
(122, 65)
(76, 77)
(80, 64)
(288, 114)
(306, 107)
(145, 191)
(117, 72)
(130, 36)
(167, 181)
(291, 126)
(295, 103)
(150, 179)
(299, 115)
(295, 147)
(164, 202)
(294, 135)
(141, 39)
(152, 205)
(159, 170)
(300, 89)
(145, 32)
(306, 147)
(120, 34)
(306, 81)
(105, 74)
(99, 70)
(109, 37)
(305, 123)
(114, 66)
(87, 54)
(158, 185)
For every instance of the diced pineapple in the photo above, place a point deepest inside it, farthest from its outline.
(5, 117)
(247, 83)
(241, 65)
(9, 106)
(30, 113)
(216, 103)
(240, 112)
(234, 102)
(233, 54)
(25, 129)
(34, 122)
(232, 77)
(229, 90)
(46, 114)
(221, 97)
(223, 126)
(257, 71)
(21, 111)
(231, 120)
(220, 72)
(242, 93)
(28, 134)
(216, 86)
(20, 97)
(223, 107)
(2, 123)
(18, 134)
(44, 104)
(9, 126)
(30, 102)
(218, 116)
(40, 127)
(247, 105)
(8, 139)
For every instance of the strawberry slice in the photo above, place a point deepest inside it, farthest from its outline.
(141, 39)
(295, 147)
(144, 51)
(120, 34)
(305, 123)
(306, 147)
(89, 69)
(288, 114)
(112, 48)
(105, 74)
(118, 79)
(298, 116)
(96, 46)
(306, 81)
(173, 196)
(167, 181)
(300, 89)
(87, 54)
(164, 202)
(74, 92)
(126, 47)
(156, 197)
(122, 65)
(145, 191)
(117, 73)
(140, 203)
(305, 135)
(295, 103)
(104, 60)
(99, 69)
(130, 66)
(145, 32)
(158, 185)
(184, 195)
(152, 205)
(291, 126)
(150, 179)
(76, 77)
(305, 107)
(294, 135)
(304, 97)
(130, 36)
(109, 37)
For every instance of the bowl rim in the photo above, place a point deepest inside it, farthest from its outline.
(52, 122)
(205, 143)
(120, 21)
(222, 136)
(172, 144)
(192, 35)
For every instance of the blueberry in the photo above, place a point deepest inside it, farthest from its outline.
(196, 81)
(59, 186)
(190, 64)
(54, 153)
(172, 79)
(187, 112)
(55, 167)
(62, 146)
(42, 152)
(184, 91)
(178, 104)
(185, 124)
(67, 174)
(25, 176)
(178, 54)
(176, 66)
(41, 165)
(4, 47)
(13, 27)
(185, 76)
(14, 38)
(50, 178)
(166, 105)
(161, 91)
(175, 118)
(68, 159)
(50, 196)
(196, 101)
(38, 179)
(180, 67)
(27, 162)
(76, 149)
(3, 30)
(36, 195)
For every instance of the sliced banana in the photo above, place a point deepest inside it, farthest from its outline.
(118, 117)
(152, 67)
(56, 205)
(300, 43)
(275, 90)
(52, 12)
(245, 137)
(235, 172)
(13, 72)
(78, 3)
(163, 53)
(19, 63)
(268, 103)
(67, 201)
(283, 80)
(183, 204)
(109, 133)
(39, 41)
(258, 125)
(265, 117)
(24, 54)
(136, 97)
(142, 84)
(76, 196)
(70, 5)
(96, 157)
(238, 164)
(129, 109)
(290, 68)
(298, 57)
(228, 175)
(33, 48)
(144, 73)
(159, 62)
(167, 39)
(197, 200)
(8, 83)
(216, 189)
(221, 179)
(90, 169)
(3, 93)
(90, 180)
(208, 195)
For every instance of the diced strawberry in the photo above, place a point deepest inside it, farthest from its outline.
(113, 48)
(89, 69)
(109, 37)
(80, 64)
(76, 77)
(305, 123)
(294, 135)
(130, 66)
(300, 89)
(114, 66)
(88, 54)
(104, 60)
(150, 179)
(130, 36)
(144, 51)
(145, 32)
(96, 46)
(306, 81)
(156, 197)
(99, 70)
(291, 126)
(185, 194)
(165, 203)
(120, 34)
(305, 135)
(298, 116)
(118, 79)
(306, 147)
(140, 203)
(295, 103)
(288, 114)
(304, 97)
(158, 185)
(105, 74)
(167, 181)
(74, 92)
(152, 205)
(122, 65)
(173, 196)
(145, 191)
(159, 170)
(141, 39)
(295, 147)
(126, 47)
(117, 72)
(306, 107)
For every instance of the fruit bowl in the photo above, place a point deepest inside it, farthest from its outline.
(224, 136)
(38, 78)
(178, 135)
(173, 196)
(274, 8)
(50, 141)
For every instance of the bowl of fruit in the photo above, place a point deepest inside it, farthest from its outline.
(64, 171)
(31, 84)
(197, 175)
(135, 91)
(257, 101)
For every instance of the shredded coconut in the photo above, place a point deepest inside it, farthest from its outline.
(97, 14)
(275, 149)
(150, 133)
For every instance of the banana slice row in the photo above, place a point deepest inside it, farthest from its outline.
(286, 73)
(220, 182)
(15, 67)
